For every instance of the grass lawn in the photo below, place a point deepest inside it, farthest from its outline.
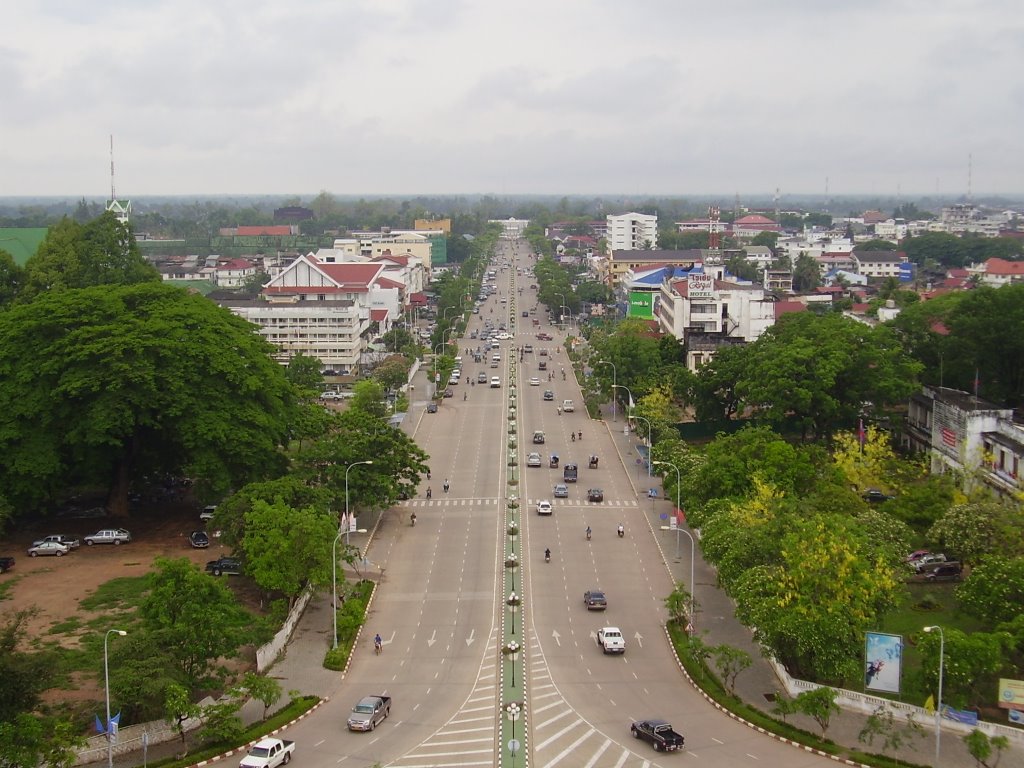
(924, 605)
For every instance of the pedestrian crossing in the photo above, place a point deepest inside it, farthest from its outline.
(560, 737)
(440, 503)
(468, 739)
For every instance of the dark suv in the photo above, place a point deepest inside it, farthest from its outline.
(945, 572)
(222, 565)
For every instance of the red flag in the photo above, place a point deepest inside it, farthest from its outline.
(860, 433)
(977, 382)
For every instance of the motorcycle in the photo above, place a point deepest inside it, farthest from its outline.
(588, 534)
(547, 555)
(412, 519)
(622, 532)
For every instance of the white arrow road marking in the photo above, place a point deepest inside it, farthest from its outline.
(639, 639)
(432, 640)
(469, 640)
(557, 637)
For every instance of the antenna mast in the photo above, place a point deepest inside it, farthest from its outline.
(113, 196)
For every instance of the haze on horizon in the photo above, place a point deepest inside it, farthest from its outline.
(373, 97)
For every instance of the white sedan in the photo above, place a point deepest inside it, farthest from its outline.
(534, 382)
(504, 336)
(543, 507)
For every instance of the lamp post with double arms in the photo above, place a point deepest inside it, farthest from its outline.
(650, 442)
(679, 529)
(614, 382)
(334, 553)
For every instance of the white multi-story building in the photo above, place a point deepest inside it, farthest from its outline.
(879, 263)
(708, 312)
(632, 232)
(891, 229)
(967, 435)
(325, 310)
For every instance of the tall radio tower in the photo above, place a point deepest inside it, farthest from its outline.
(122, 209)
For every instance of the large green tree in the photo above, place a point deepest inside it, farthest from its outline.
(821, 371)
(73, 255)
(109, 384)
(194, 618)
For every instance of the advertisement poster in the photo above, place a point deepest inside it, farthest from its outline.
(883, 661)
(1011, 694)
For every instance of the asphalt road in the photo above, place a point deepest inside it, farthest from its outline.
(438, 606)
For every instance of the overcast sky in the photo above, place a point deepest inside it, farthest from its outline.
(562, 97)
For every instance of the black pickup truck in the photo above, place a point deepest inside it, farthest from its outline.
(659, 733)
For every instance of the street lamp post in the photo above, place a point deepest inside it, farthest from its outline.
(679, 529)
(650, 442)
(614, 382)
(938, 705)
(334, 553)
(628, 392)
(106, 683)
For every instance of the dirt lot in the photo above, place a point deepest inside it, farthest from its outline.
(56, 584)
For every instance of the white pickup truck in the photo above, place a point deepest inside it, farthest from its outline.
(610, 640)
(268, 753)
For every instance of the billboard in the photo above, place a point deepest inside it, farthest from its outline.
(641, 304)
(701, 287)
(906, 271)
(1011, 694)
(883, 661)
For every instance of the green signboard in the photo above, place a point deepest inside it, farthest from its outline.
(641, 304)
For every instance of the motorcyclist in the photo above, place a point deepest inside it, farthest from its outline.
(378, 643)
(573, 436)
(412, 518)
(588, 533)
(547, 554)
(429, 492)
(446, 485)
(621, 531)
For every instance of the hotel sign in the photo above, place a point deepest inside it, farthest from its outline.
(701, 287)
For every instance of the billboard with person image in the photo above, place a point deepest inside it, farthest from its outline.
(883, 662)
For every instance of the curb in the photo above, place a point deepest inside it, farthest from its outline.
(733, 716)
(245, 747)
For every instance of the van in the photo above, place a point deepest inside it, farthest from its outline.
(570, 473)
(543, 365)
(567, 406)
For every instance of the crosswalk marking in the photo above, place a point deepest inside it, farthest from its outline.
(489, 502)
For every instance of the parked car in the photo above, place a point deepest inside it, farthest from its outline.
(199, 539)
(225, 565)
(207, 513)
(595, 494)
(431, 407)
(115, 536)
(6, 563)
(875, 496)
(595, 600)
(533, 460)
(945, 572)
(561, 491)
(449, 392)
(48, 548)
(916, 555)
(927, 562)
(543, 507)
(71, 542)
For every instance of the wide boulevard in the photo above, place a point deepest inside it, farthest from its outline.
(439, 605)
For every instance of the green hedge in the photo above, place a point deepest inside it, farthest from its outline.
(351, 617)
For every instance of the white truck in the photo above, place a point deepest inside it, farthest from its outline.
(268, 753)
(610, 640)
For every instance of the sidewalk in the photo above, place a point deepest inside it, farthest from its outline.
(717, 624)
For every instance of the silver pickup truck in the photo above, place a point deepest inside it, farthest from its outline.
(369, 713)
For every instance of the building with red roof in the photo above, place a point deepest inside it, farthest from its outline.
(997, 272)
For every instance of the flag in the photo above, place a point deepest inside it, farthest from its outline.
(860, 434)
(114, 723)
(99, 725)
(929, 704)
(977, 382)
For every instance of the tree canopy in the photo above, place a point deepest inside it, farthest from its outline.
(105, 385)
